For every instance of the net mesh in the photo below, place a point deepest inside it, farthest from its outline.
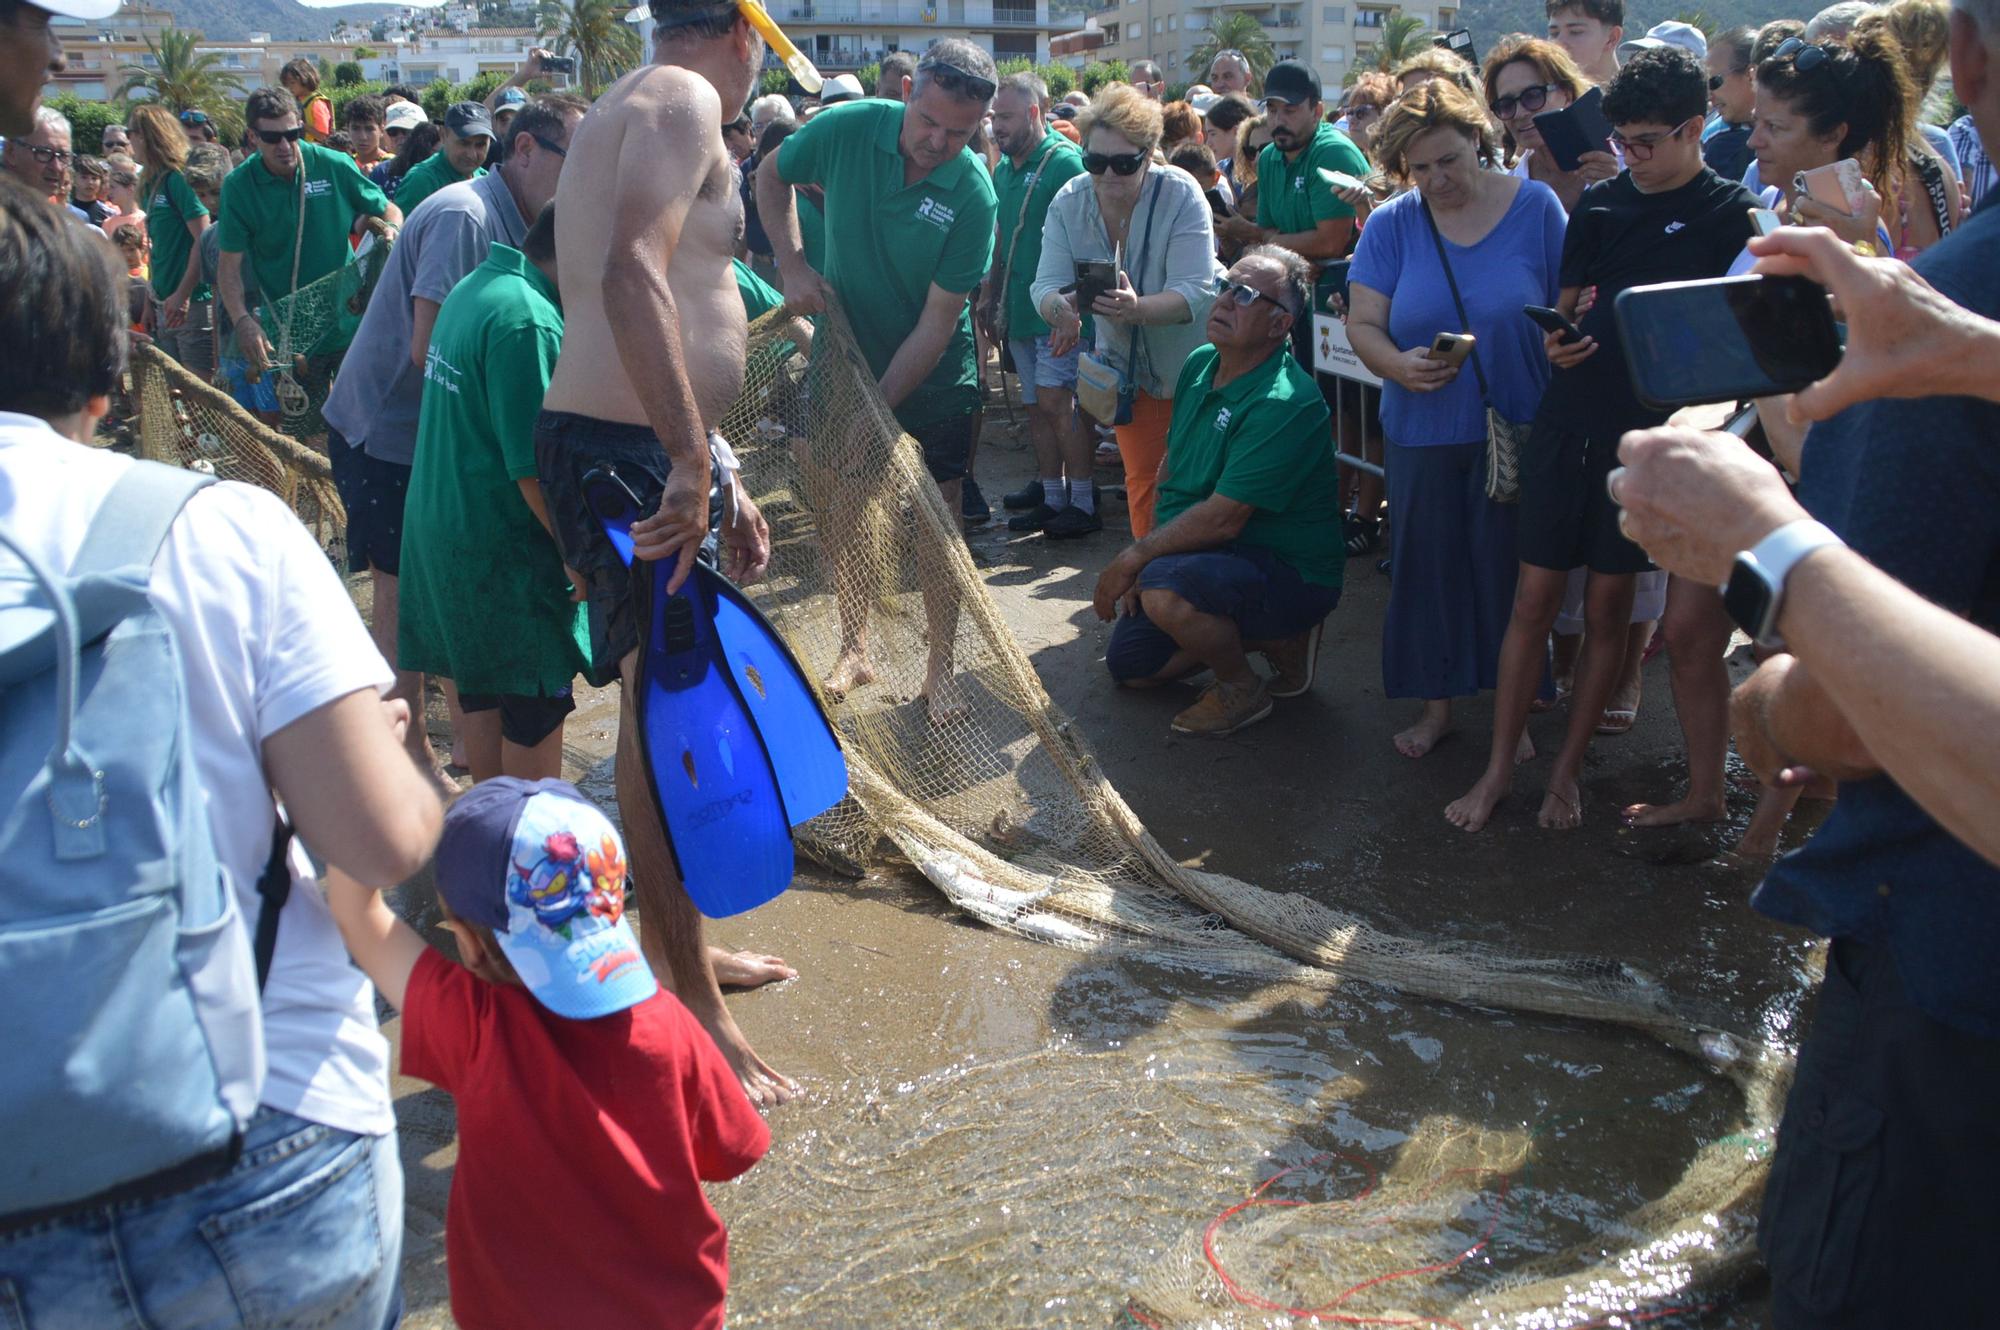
(311, 327)
(1006, 812)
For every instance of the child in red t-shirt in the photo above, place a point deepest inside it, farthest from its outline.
(591, 1105)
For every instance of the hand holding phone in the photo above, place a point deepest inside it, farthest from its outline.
(1094, 277)
(1726, 339)
(1451, 348)
(1551, 321)
(1576, 129)
(1838, 185)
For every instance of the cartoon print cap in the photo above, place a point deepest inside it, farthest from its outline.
(538, 864)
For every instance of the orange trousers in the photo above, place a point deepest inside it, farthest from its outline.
(1142, 446)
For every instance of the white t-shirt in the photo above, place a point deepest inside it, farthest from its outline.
(267, 634)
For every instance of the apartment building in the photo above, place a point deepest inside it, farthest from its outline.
(844, 35)
(97, 52)
(1333, 38)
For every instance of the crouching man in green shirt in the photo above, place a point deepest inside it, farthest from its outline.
(1248, 552)
(486, 601)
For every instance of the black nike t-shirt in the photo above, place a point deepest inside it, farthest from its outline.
(1619, 237)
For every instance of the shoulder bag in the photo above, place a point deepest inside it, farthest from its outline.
(1504, 438)
(1105, 393)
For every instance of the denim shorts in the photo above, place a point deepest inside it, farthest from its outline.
(306, 1229)
(568, 447)
(1264, 595)
(1037, 367)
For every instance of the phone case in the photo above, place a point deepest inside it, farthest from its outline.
(1838, 185)
(1576, 129)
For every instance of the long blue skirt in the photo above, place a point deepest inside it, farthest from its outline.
(1451, 586)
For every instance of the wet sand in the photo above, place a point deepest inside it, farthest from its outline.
(995, 1132)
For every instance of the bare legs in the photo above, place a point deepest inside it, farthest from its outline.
(409, 684)
(1431, 726)
(1537, 600)
(1697, 629)
(671, 928)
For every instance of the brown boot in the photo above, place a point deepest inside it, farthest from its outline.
(1293, 660)
(1225, 709)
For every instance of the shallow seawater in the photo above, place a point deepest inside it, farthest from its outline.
(997, 1133)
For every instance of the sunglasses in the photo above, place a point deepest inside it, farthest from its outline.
(952, 79)
(557, 149)
(1243, 295)
(1363, 110)
(276, 136)
(396, 133)
(1121, 163)
(47, 155)
(1806, 57)
(1530, 100)
(1641, 149)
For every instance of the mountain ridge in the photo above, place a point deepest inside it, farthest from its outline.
(285, 20)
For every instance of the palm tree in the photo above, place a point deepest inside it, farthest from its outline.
(596, 34)
(1241, 32)
(182, 78)
(1403, 36)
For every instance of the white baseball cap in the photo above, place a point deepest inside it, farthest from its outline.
(1671, 33)
(841, 88)
(404, 115)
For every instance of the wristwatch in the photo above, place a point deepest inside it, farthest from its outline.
(1755, 592)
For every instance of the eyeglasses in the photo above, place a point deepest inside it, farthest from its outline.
(396, 133)
(1122, 163)
(1363, 110)
(1530, 100)
(1641, 148)
(276, 136)
(952, 79)
(555, 148)
(47, 155)
(1243, 295)
(1806, 57)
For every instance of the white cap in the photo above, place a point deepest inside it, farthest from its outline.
(78, 8)
(1203, 101)
(841, 88)
(1671, 33)
(403, 115)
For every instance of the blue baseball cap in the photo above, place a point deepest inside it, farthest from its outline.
(514, 98)
(544, 869)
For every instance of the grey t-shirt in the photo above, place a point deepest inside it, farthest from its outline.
(379, 391)
(208, 253)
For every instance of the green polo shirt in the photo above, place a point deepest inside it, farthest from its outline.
(812, 230)
(1291, 196)
(759, 296)
(484, 599)
(1262, 440)
(427, 177)
(887, 243)
(1053, 163)
(260, 216)
(170, 206)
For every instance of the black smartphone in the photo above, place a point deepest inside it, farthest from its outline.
(1217, 205)
(1552, 321)
(1094, 277)
(1334, 275)
(1725, 339)
(1576, 129)
(559, 64)
(1459, 42)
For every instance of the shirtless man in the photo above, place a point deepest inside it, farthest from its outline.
(650, 216)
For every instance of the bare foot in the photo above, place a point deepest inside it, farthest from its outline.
(766, 1087)
(946, 701)
(1674, 814)
(748, 969)
(1420, 738)
(1470, 811)
(1524, 751)
(1562, 807)
(850, 672)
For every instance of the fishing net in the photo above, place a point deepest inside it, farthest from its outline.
(311, 329)
(185, 421)
(1004, 809)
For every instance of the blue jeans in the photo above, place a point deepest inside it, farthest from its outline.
(306, 1230)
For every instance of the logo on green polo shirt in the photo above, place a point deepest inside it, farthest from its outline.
(938, 214)
(1222, 420)
(314, 188)
(440, 371)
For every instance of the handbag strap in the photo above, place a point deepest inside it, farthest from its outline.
(1437, 237)
(1145, 239)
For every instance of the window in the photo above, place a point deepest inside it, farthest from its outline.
(1159, 26)
(1331, 55)
(1369, 18)
(1173, 60)
(1173, 23)
(1333, 14)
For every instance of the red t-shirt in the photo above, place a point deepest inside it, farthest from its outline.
(582, 1149)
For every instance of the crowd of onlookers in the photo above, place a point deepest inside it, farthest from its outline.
(1148, 273)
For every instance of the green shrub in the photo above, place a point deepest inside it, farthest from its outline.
(1100, 72)
(87, 120)
(346, 74)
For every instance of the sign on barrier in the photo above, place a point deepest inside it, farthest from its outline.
(1334, 354)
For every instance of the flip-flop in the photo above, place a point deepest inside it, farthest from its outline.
(1617, 722)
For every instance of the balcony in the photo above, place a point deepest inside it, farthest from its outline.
(892, 13)
(1371, 18)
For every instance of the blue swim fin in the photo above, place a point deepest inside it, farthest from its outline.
(733, 738)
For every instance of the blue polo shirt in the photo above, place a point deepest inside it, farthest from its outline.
(1915, 487)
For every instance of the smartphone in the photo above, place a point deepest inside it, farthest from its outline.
(1451, 348)
(1764, 222)
(1459, 42)
(1725, 339)
(559, 64)
(1340, 179)
(1094, 277)
(1333, 278)
(1552, 321)
(1576, 129)
(1217, 205)
(1839, 185)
